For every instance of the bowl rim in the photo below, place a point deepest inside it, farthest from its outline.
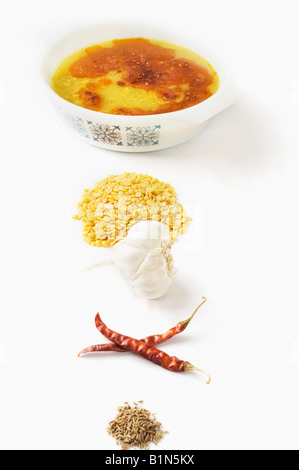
(223, 76)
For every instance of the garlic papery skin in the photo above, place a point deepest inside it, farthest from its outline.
(154, 277)
(145, 258)
(148, 235)
(127, 258)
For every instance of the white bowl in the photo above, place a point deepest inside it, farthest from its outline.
(136, 133)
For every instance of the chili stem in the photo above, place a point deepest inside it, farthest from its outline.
(189, 366)
(185, 323)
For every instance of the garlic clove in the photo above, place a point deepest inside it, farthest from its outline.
(148, 235)
(153, 278)
(127, 258)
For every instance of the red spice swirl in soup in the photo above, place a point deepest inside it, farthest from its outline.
(135, 77)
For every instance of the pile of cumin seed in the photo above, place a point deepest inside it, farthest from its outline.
(135, 426)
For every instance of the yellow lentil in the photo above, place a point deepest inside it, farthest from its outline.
(132, 198)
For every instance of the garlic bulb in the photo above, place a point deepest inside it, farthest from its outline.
(145, 258)
(153, 278)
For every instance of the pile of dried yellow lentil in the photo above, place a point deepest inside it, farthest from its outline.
(118, 202)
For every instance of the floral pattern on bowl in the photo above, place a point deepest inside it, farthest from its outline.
(104, 133)
(143, 136)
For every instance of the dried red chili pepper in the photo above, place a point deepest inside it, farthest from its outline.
(150, 353)
(153, 340)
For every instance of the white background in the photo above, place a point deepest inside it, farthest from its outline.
(239, 179)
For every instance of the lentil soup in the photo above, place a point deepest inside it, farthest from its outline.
(134, 77)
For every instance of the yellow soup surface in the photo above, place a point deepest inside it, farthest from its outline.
(135, 76)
